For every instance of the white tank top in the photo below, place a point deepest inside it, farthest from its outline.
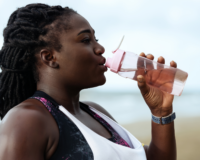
(102, 148)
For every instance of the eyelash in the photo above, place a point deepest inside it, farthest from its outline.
(88, 40)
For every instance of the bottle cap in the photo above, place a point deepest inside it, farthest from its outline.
(114, 63)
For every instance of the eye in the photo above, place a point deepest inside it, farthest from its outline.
(86, 40)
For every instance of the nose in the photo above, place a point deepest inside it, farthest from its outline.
(99, 49)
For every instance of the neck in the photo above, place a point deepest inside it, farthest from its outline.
(68, 98)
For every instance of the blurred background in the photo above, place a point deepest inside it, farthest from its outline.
(163, 28)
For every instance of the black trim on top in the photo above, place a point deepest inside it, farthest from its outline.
(82, 106)
(43, 94)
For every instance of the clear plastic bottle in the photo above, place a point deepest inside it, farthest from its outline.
(130, 65)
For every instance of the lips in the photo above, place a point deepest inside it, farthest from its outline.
(103, 61)
(101, 64)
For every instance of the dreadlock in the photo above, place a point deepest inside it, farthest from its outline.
(28, 30)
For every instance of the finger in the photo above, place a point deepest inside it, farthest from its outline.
(173, 64)
(142, 54)
(160, 63)
(140, 65)
(161, 60)
(144, 88)
(149, 63)
(150, 56)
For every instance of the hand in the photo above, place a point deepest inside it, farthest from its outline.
(159, 102)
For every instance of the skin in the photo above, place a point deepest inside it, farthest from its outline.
(29, 131)
(162, 78)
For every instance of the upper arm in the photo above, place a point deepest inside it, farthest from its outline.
(22, 136)
(99, 108)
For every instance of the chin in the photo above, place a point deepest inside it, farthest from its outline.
(101, 81)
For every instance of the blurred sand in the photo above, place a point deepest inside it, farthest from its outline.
(187, 136)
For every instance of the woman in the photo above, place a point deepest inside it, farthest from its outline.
(49, 55)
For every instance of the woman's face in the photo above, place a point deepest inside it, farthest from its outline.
(81, 64)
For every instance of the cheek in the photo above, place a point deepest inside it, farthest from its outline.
(85, 60)
(81, 69)
(79, 65)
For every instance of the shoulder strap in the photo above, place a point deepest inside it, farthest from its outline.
(46, 96)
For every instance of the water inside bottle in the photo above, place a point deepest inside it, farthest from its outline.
(158, 75)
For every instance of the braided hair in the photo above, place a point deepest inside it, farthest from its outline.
(28, 30)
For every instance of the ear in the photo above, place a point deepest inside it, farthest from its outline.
(49, 58)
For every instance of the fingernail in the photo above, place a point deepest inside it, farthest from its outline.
(142, 53)
(173, 62)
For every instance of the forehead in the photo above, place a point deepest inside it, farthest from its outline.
(79, 23)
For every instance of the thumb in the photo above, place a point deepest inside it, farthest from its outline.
(144, 88)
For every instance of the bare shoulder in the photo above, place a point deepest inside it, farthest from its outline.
(23, 120)
(24, 115)
(25, 128)
(99, 108)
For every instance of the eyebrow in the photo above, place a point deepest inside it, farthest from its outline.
(85, 31)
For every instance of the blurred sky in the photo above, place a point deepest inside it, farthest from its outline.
(169, 28)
